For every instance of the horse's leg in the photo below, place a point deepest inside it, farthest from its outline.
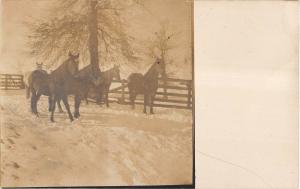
(145, 103)
(66, 103)
(59, 106)
(132, 96)
(86, 96)
(38, 95)
(53, 102)
(106, 98)
(99, 96)
(77, 105)
(33, 102)
(49, 103)
(151, 103)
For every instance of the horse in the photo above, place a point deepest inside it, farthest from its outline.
(80, 85)
(54, 84)
(146, 84)
(107, 77)
(27, 79)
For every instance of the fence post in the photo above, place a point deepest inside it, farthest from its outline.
(6, 81)
(22, 82)
(189, 94)
(165, 87)
(123, 91)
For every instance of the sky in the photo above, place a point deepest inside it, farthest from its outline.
(142, 25)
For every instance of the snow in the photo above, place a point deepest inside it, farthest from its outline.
(105, 146)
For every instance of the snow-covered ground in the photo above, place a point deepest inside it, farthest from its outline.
(106, 146)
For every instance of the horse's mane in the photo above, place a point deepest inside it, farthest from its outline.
(107, 71)
(84, 71)
(150, 70)
(61, 66)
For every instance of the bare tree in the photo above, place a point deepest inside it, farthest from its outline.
(91, 27)
(161, 44)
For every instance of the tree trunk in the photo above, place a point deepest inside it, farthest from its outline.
(93, 36)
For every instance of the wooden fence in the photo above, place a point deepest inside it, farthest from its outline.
(172, 93)
(11, 81)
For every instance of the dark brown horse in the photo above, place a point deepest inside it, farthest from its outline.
(54, 84)
(78, 85)
(28, 83)
(43, 83)
(146, 84)
(107, 77)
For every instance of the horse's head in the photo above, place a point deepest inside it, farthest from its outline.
(39, 66)
(116, 72)
(159, 66)
(73, 63)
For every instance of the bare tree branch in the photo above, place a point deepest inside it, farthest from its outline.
(67, 30)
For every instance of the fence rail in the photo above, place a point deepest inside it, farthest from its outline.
(171, 93)
(11, 81)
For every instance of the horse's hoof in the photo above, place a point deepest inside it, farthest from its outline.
(76, 115)
(71, 119)
(151, 112)
(52, 120)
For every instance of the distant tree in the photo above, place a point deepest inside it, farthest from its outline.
(160, 45)
(91, 27)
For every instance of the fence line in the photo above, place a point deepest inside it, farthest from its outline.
(176, 93)
(11, 81)
(172, 92)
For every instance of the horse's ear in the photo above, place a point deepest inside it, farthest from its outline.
(77, 56)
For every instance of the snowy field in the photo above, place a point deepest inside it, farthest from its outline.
(106, 146)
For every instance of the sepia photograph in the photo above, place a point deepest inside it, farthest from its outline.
(97, 93)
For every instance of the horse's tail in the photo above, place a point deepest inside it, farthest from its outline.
(27, 91)
(28, 86)
(129, 81)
